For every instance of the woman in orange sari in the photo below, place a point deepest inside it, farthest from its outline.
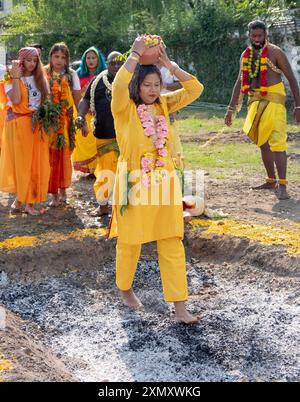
(85, 154)
(65, 90)
(24, 164)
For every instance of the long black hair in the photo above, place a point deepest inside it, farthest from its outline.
(139, 76)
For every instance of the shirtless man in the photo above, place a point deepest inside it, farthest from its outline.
(262, 66)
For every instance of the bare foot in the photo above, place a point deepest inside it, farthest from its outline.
(188, 319)
(16, 207)
(131, 300)
(30, 210)
(182, 316)
(265, 186)
(187, 217)
(100, 211)
(281, 193)
(62, 196)
(55, 201)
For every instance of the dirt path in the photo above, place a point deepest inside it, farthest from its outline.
(26, 360)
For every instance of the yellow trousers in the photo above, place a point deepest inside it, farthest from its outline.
(172, 263)
(105, 174)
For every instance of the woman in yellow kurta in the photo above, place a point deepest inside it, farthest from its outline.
(24, 164)
(143, 210)
(65, 90)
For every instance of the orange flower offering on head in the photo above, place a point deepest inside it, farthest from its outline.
(151, 54)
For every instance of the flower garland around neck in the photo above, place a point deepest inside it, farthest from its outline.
(153, 164)
(260, 69)
(59, 86)
(107, 83)
(102, 76)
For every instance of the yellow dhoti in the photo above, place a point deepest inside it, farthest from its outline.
(266, 120)
(106, 167)
(171, 256)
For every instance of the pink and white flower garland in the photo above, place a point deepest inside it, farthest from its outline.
(156, 128)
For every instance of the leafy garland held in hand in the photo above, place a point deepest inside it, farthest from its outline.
(47, 115)
(153, 40)
(59, 86)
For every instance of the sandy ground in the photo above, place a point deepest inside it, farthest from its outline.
(65, 321)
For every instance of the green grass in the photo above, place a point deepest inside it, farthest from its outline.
(225, 160)
(192, 122)
(222, 160)
(294, 147)
(198, 126)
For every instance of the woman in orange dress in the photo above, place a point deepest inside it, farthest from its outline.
(3, 101)
(24, 164)
(65, 90)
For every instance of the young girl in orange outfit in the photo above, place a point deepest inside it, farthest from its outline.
(65, 90)
(24, 164)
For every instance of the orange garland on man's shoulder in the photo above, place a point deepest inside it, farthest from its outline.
(246, 70)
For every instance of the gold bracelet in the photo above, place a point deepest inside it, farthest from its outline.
(135, 58)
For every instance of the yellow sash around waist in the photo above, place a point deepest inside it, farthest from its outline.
(270, 97)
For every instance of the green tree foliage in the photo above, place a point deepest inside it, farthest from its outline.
(205, 36)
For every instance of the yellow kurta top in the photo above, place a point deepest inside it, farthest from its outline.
(145, 223)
